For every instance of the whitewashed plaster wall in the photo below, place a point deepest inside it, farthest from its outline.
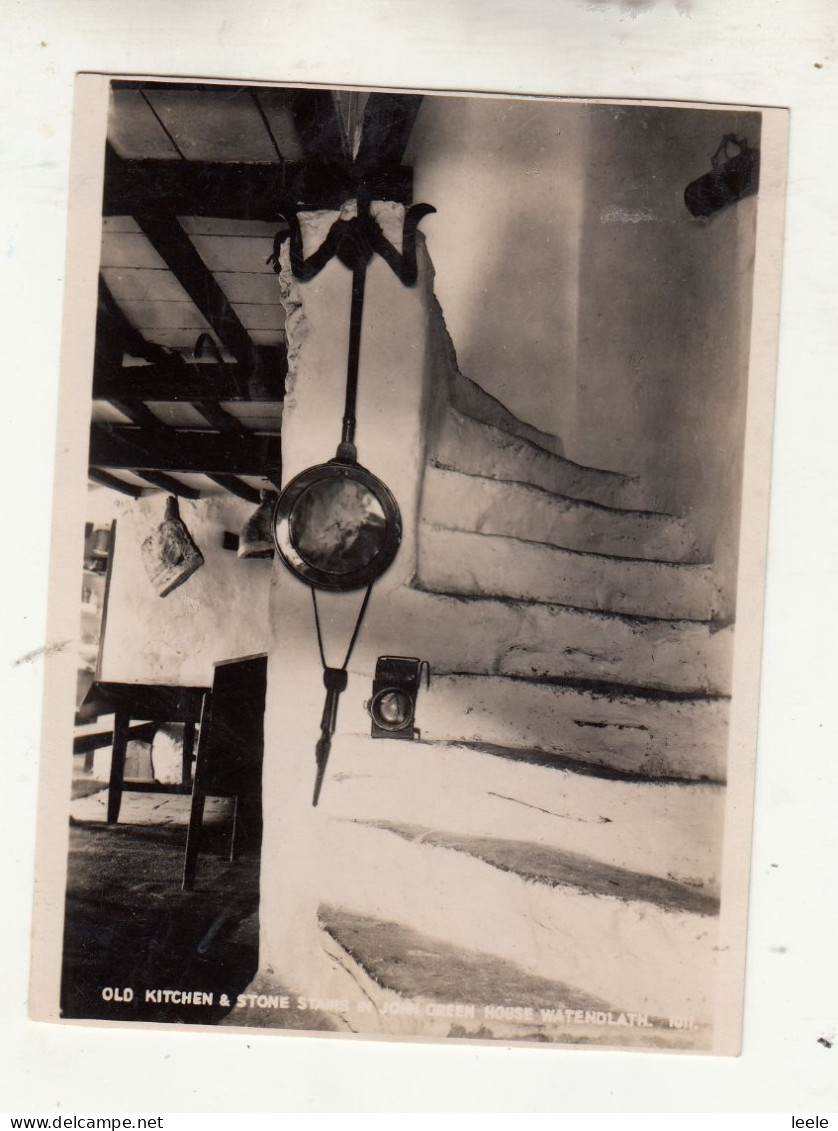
(299, 842)
(507, 178)
(220, 613)
(312, 856)
(665, 319)
(579, 291)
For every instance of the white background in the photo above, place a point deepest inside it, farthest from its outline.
(780, 52)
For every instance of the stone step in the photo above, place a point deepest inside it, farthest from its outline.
(490, 635)
(459, 501)
(648, 735)
(460, 562)
(471, 399)
(625, 949)
(466, 396)
(472, 446)
(414, 985)
(556, 868)
(668, 831)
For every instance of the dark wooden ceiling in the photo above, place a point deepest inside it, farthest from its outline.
(190, 358)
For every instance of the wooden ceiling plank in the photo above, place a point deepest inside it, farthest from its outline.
(251, 287)
(260, 316)
(265, 122)
(119, 225)
(182, 258)
(115, 333)
(149, 315)
(219, 226)
(196, 124)
(132, 128)
(268, 339)
(235, 253)
(162, 125)
(104, 479)
(143, 284)
(129, 249)
(275, 106)
(175, 414)
(261, 417)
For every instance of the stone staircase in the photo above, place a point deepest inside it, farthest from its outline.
(544, 863)
(546, 887)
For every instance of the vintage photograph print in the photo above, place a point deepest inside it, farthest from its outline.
(413, 544)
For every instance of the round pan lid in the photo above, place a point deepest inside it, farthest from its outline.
(337, 526)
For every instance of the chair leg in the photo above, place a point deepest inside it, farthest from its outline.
(120, 747)
(234, 838)
(199, 793)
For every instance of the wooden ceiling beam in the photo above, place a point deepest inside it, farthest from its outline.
(219, 418)
(228, 425)
(237, 487)
(204, 381)
(141, 415)
(96, 475)
(273, 474)
(232, 191)
(138, 413)
(388, 123)
(114, 446)
(168, 483)
(224, 190)
(318, 124)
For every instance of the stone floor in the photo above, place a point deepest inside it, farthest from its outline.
(158, 809)
(128, 925)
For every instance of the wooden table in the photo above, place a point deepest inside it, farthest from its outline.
(148, 703)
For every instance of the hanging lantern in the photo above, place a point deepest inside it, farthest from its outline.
(257, 535)
(170, 556)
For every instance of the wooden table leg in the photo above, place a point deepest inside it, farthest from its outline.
(188, 747)
(120, 747)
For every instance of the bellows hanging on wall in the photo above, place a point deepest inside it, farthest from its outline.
(257, 535)
(734, 175)
(169, 553)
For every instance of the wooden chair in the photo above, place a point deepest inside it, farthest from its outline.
(229, 760)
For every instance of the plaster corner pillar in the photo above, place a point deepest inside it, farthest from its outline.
(303, 847)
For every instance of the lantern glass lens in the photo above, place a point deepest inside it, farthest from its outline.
(393, 709)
